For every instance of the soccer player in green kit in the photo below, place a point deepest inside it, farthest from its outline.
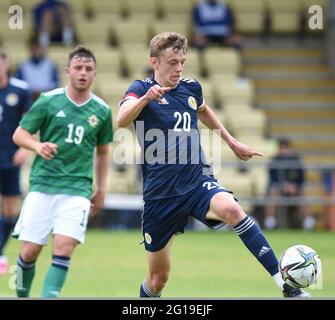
(71, 122)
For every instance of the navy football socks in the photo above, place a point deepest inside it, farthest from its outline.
(146, 293)
(254, 240)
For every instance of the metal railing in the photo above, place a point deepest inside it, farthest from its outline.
(135, 202)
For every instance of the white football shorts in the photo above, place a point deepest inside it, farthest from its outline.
(61, 214)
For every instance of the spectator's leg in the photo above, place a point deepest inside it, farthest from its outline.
(270, 221)
(68, 30)
(47, 28)
(235, 41)
(200, 41)
(305, 215)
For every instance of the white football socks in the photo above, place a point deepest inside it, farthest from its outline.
(278, 280)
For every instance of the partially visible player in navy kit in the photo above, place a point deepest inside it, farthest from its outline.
(169, 105)
(14, 102)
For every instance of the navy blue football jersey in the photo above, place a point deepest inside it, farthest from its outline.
(14, 102)
(168, 134)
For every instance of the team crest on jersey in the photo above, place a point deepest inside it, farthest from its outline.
(147, 237)
(12, 99)
(93, 120)
(192, 103)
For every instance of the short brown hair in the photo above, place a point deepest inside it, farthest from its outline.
(165, 40)
(81, 51)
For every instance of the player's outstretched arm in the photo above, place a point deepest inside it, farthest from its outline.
(25, 139)
(132, 107)
(210, 120)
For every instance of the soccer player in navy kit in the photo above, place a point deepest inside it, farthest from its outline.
(14, 102)
(166, 108)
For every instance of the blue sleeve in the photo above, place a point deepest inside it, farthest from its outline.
(137, 89)
(197, 91)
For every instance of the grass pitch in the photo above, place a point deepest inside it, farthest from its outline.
(205, 264)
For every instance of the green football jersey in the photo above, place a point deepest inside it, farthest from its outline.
(76, 129)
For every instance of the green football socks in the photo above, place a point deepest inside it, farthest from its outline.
(55, 278)
(24, 277)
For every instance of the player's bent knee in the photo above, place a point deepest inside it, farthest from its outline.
(65, 250)
(158, 281)
(63, 246)
(231, 213)
(29, 253)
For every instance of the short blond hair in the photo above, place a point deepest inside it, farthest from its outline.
(165, 40)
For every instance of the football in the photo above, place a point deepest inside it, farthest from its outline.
(300, 266)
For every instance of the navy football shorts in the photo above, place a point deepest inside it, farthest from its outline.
(10, 181)
(165, 217)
